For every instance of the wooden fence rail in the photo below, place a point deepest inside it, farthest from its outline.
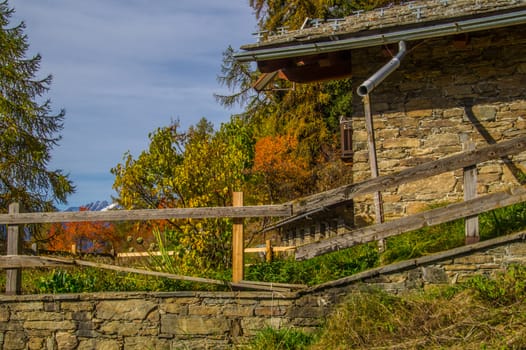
(413, 222)
(13, 262)
(147, 214)
(309, 205)
(467, 160)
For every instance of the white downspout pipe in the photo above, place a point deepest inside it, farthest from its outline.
(368, 86)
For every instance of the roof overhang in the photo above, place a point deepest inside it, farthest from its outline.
(374, 38)
(305, 69)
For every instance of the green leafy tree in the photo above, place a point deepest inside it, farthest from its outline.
(309, 113)
(197, 168)
(28, 129)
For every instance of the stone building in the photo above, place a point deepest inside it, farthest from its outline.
(462, 78)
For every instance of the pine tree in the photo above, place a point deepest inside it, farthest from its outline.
(28, 129)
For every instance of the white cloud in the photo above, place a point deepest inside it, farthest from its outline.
(123, 68)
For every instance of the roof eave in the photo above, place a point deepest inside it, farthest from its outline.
(424, 32)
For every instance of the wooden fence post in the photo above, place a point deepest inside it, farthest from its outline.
(269, 254)
(13, 284)
(237, 242)
(471, 223)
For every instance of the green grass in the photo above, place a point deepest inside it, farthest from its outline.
(406, 246)
(281, 339)
(88, 279)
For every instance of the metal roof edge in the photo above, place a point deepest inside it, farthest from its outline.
(426, 32)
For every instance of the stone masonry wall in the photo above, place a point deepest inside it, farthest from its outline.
(178, 320)
(487, 258)
(219, 320)
(446, 91)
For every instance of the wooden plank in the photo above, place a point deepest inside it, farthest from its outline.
(238, 261)
(26, 261)
(407, 264)
(282, 285)
(252, 286)
(471, 223)
(13, 283)
(413, 222)
(148, 214)
(310, 205)
(268, 288)
(274, 249)
(142, 272)
(142, 254)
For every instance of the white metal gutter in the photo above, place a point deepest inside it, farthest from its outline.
(395, 36)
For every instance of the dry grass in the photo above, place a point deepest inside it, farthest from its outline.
(376, 320)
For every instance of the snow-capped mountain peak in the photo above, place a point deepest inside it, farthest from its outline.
(95, 206)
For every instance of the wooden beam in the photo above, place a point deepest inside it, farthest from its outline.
(13, 283)
(143, 254)
(148, 214)
(274, 249)
(269, 254)
(412, 263)
(238, 262)
(27, 261)
(344, 194)
(148, 272)
(413, 222)
(471, 223)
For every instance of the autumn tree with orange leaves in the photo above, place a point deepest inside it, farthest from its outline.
(87, 237)
(284, 174)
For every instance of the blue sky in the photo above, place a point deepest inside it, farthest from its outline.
(122, 68)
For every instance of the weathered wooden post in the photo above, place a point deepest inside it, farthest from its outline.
(13, 284)
(378, 202)
(471, 223)
(268, 251)
(237, 242)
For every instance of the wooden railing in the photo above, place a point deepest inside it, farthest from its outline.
(14, 262)
(468, 209)
(339, 196)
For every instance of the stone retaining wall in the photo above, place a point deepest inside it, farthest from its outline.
(219, 320)
(178, 320)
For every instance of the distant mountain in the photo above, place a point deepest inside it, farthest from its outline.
(95, 206)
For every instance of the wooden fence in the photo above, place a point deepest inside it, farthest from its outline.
(469, 209)
(296, 210)
(13, 262)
